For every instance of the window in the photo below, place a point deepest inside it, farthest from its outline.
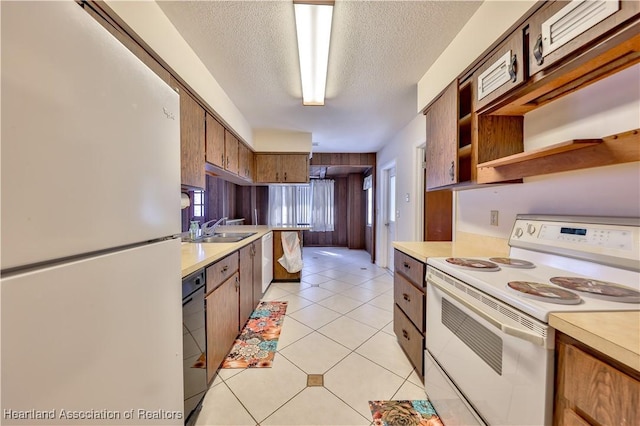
(307, 205)
(370, 207)
(198, 204)
(289, 205)
(368, 186)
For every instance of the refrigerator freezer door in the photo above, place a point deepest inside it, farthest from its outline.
(98, 334)
(90, 138)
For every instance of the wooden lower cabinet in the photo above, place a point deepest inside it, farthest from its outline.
(279, 272)
(233, 290)
(409, 307)
(257, 271)
(250, 279)
(246, 284)
(591, 390)
(410, 338)
(222, 322)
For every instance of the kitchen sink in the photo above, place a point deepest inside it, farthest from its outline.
(224, 237)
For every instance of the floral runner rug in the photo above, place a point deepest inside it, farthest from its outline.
(405, 413)
(256, 345)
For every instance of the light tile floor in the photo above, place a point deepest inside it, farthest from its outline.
(339, 323)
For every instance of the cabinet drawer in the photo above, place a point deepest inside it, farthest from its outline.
(409, 267)
(599, 390)
(221, 270)
(410, 338)
(410, 299)
(502, 72)
(563, 28)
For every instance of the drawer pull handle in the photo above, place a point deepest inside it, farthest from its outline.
(405, 334)
(225, 269)
(406, 297)
(406, 265)
(513, 69)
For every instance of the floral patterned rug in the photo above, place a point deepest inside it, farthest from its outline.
(404, 413)
(256, 345)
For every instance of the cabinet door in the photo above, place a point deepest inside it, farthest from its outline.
(279, 272)
(250, 165)
(231, 152)
(605, 394)
(192, 139)
(267, 168)
(257, 272)
(442, 139)
(294, 168)
(245, 161)
(562, 28)
(222, 323)
(502, 72)
(246, 284)
(215, 142)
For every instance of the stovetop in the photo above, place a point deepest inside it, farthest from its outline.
(496, 283)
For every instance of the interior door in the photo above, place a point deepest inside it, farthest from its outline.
(390, 215)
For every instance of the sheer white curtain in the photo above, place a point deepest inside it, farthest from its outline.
(322, 205)
(289, 205)
(310, 205)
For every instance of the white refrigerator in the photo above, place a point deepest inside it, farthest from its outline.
(90, 285)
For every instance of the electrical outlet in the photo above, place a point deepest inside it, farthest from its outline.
(494, 217)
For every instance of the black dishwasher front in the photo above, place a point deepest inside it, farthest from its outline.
(193, 344)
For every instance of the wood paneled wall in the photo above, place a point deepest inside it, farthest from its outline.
(356, 211)
(343, 159)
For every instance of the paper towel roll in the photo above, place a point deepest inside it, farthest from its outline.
(185, 201)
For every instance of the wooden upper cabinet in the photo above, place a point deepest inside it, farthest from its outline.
(563, 28)
(231, 152)
(294, 168)
(281, 168)
(245, 162)
(502, 72)
(192, 139)
(442, 139)
(267, 168)
(215, 142)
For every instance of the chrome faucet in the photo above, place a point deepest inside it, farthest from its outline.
(208, 229)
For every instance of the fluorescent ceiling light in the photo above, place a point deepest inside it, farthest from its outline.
(313, 27)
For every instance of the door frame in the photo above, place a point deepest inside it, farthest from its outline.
(420, 182)
(383, 209)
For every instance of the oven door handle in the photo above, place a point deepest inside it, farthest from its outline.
(505, 328)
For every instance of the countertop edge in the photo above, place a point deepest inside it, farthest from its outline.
(593, 339)
(208, 253)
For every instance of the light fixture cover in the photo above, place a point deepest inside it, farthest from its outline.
(313, 28)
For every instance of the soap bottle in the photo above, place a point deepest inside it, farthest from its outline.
(193, 230)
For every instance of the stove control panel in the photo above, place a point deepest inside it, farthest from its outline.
(601, 242)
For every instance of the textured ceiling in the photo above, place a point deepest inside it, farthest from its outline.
(379, 50)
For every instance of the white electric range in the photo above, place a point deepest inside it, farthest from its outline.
(489, 357)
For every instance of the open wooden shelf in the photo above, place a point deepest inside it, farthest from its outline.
(571, 155)
(465, 120)
(542, 152)
(465, 151)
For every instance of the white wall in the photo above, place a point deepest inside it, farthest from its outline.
(271, 140)
(401, 151)
(151, 24)
(607, 107)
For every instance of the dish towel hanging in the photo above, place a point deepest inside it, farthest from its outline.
(291, 259)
